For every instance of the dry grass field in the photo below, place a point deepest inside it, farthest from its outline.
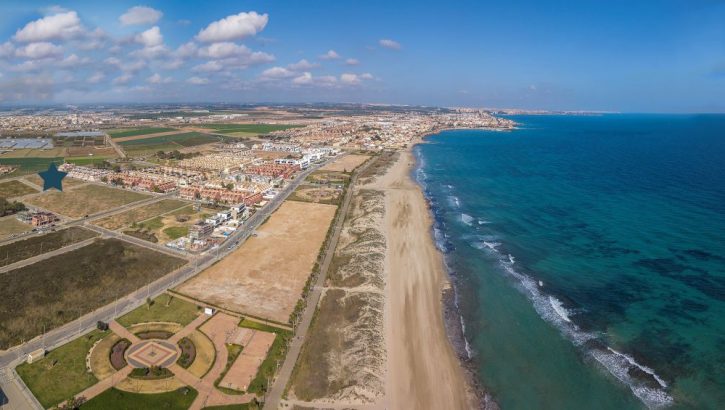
(346, 164)
(68, 182)
(139, 214)
(56, 290)
(10, 225)
(265, 276)
(84, 200)
(171, 225)
(11, 189)
(317, 194)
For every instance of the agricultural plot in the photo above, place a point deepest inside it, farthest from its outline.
(132, 132)
(54, 291)
(37, 245)
(346, 163)
(29, 165)
(265, 277)
(15, 188)
(186, 139)
(247, 129)
(10, 225)
(84, 200)
(139, 214)
(170, 226)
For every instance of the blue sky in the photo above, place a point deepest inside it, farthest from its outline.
(641, 56)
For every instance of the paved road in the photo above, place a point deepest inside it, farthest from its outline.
(274, 395)
(14, 387)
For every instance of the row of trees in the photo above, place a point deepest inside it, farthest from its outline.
(9, 208)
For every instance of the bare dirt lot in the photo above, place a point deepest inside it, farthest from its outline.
(139, 214)
(346, 163)
(265, 276)
(84, 200)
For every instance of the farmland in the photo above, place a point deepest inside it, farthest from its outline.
(30, 165)
(54, 291)
(242, 130)
(132, 132)
(84, 200)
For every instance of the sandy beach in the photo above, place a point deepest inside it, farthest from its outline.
(423, 371)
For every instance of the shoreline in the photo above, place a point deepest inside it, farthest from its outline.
(453, 320)
(424, 368)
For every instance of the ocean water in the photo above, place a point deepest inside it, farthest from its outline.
(588, 254)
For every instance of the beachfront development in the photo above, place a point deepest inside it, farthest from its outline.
(207, 263)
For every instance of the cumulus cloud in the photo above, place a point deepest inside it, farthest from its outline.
(96, 78)
(366, 76)
(350, 79)
(307, 79)
(235, 27)
(62, 26)
(352, 61)
(74, 61)
(140, 15)
(158, 79)
(302, 65)
(276, 73)
(150, 38)
(330, 55)
(39, 50)
(122, 79)
(390, 44)
(304, 79)
(209, 66)
(197, 80)
(6, 49)
(224, 50)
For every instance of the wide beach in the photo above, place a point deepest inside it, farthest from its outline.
(423, 371)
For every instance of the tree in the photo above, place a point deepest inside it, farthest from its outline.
(74, 403)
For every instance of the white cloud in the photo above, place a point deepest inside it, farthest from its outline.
(173, 64)
(150, 38)
(390, 44)
(6, 49)
(304, 79)
(60, 26)
(197, 80)
(277, 72)
(209, 66)
(366, 76)
(186, 50)
(140, 15)
(122, 79)
(224, 50)
(96, 78)
(234, 27)
(302, 65)
(330, 55)
(349, 79)
(39, 50)
(307, 79)
(158, 79)
(352, 61)
(74, 61)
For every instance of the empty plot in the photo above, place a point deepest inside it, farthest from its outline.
(265, 276)
(12, 189)
(132, 132)
(346, 164)
(243, 370)
(139, 214)
(54, 291)
(10, 225)
(37, 245)
(247, 129)
(84, 200)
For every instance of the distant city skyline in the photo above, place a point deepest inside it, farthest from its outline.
(648, 56)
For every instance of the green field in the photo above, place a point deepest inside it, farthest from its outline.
(57, 290)
(113, 399)
(165, 308)
(12, 189)
(87, 161)
(62, 372)
(29, 165)
(37, 245)
(276, 352)
(251, 129)
(186, 139)
(132, 132)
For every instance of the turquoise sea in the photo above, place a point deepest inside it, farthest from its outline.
(588, 254)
